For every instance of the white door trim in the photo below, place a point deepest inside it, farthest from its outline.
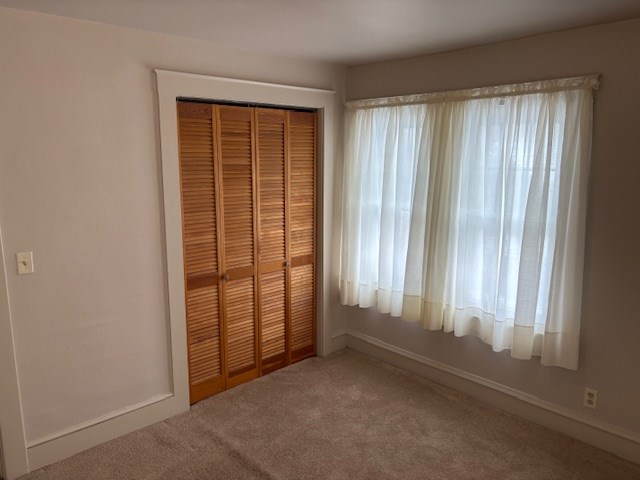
(173, 85)
(14, 449)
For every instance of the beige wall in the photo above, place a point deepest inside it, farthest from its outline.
(610, 352)
(80, 186)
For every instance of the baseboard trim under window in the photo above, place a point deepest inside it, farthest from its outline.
(616, 440)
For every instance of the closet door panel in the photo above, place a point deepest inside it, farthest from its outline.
(271, 188)
(272, 177)
(302, 208)
(199, 216)
(236, 165)
(240, 319)
(205, 349)
(273, 308)
(236, 159)
(302, 197)
(303, 332)
(198, 189)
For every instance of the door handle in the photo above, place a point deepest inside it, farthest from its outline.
(225, 277)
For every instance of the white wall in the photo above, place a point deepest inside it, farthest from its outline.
(609, 356)
(80, 186)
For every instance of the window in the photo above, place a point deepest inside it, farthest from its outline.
(465, 211)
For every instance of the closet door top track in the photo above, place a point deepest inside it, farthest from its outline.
(230, 103)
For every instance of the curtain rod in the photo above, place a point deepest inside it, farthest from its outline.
(588, 82)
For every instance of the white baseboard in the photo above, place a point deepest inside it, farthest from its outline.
(338, 341)
(65, 443)
(619, 441)
(53, 448)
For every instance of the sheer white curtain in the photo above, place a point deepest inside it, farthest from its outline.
(465, 211)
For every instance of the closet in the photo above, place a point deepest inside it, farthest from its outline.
(249, 211)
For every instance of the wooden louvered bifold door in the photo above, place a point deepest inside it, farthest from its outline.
(249, 226)
(272, 181)
(236, 155)
(302, 221)
(198, 179)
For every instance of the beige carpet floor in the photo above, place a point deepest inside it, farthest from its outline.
(346, 416)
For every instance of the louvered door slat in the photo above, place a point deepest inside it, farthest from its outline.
(195, 122)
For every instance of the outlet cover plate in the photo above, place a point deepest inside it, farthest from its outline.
(25, 262)
(590, 398)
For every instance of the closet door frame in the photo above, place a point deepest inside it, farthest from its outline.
(175, 85)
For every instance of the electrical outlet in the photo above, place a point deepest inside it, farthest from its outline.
(590, 398)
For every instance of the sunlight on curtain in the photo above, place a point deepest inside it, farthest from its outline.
(465, 211)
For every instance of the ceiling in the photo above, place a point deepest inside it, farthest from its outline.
(343, 31)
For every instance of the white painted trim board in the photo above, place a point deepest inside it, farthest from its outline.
(14, 452)
(339, 340)
(63, 444)
(174, 85)
(614, 439)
